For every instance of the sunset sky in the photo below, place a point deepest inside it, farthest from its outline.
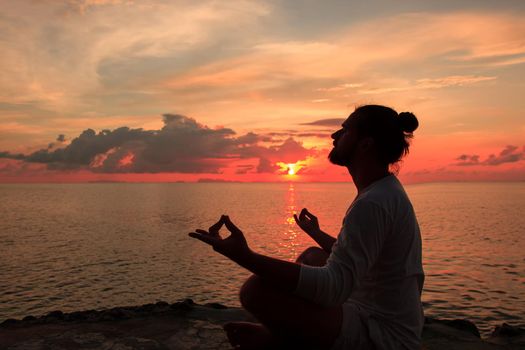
(109, 90)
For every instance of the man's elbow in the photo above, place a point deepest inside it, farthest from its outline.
(336, 293)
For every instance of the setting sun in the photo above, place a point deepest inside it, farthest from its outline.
(291, 169)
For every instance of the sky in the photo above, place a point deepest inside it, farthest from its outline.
(121, 90)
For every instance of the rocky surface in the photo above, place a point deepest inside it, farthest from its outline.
(185, 325)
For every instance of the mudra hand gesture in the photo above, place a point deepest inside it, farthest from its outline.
(307, 222)
(233, 247)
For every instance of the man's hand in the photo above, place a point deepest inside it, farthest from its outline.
(283, 274)
(233, 247)
(307, 222)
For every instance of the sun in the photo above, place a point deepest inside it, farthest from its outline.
(291, 169)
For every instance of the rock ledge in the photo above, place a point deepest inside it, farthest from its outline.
(186, 325)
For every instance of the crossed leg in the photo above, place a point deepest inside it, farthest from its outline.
(286, 319)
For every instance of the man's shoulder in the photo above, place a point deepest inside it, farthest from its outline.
(387, 190)
(388, 196)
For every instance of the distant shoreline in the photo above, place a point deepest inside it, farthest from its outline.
(206, 181)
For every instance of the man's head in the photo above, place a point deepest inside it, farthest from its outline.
(373, 133)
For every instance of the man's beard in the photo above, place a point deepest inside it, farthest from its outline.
(343, 157)
(336, 159)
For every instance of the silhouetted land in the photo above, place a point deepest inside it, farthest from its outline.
(186, 325)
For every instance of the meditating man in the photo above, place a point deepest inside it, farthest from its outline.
(361, 290)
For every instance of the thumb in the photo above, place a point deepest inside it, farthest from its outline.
(231, 226)
(312, 216)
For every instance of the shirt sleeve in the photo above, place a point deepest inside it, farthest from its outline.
(356, 250)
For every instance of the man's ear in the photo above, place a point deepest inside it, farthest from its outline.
(366, 143)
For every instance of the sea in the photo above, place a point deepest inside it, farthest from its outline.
(86, 246)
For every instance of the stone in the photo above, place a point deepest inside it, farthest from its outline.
(506, 330)
(185, 325)
(216, 306)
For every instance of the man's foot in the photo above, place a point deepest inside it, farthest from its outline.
(249, 336)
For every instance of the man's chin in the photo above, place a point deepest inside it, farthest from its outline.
(335, 159)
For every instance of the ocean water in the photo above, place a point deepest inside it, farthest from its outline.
(82, 246)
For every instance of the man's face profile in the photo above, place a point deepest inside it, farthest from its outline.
(345, 144)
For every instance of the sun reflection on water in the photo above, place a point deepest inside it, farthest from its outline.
(289, 244)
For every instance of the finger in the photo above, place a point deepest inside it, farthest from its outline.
(231, 226)
(206, 233)
(312, 216)
(205, 238)
(217, 226)
(296, 218)
(303, 213)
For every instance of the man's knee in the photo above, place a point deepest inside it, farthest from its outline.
(251, 292)
(310, 255)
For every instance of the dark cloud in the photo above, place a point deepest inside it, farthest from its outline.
(510, 154)
(251, 138)
(277, 136)
(282, 133)
(321, 135)
(181, 145)
(61, 138)
(327, 122)
(8, 155)
(466, 159)
(244, 169)
(266, 166)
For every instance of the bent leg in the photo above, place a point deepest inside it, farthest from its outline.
(290, 317)
(313, 256)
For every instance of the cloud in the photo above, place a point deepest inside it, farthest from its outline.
(322, 135)
(81, 6)
(340, 87)
(244, 168)
(61, 138)
(453, 80)
(510, 154)
(326, 122)
(266, 166)
(44, 40)
(182, 145)
(431, 83)
(465, 159)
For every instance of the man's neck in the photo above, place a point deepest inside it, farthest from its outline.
(365, 176)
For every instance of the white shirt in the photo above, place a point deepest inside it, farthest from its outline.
(376, 263)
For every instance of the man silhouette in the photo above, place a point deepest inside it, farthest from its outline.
(360, 290)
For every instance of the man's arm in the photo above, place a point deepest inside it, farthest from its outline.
(324, 240)
(309, 223)
(283, 274)
(363, 235)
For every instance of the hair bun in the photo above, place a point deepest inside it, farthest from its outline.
(408, 122)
